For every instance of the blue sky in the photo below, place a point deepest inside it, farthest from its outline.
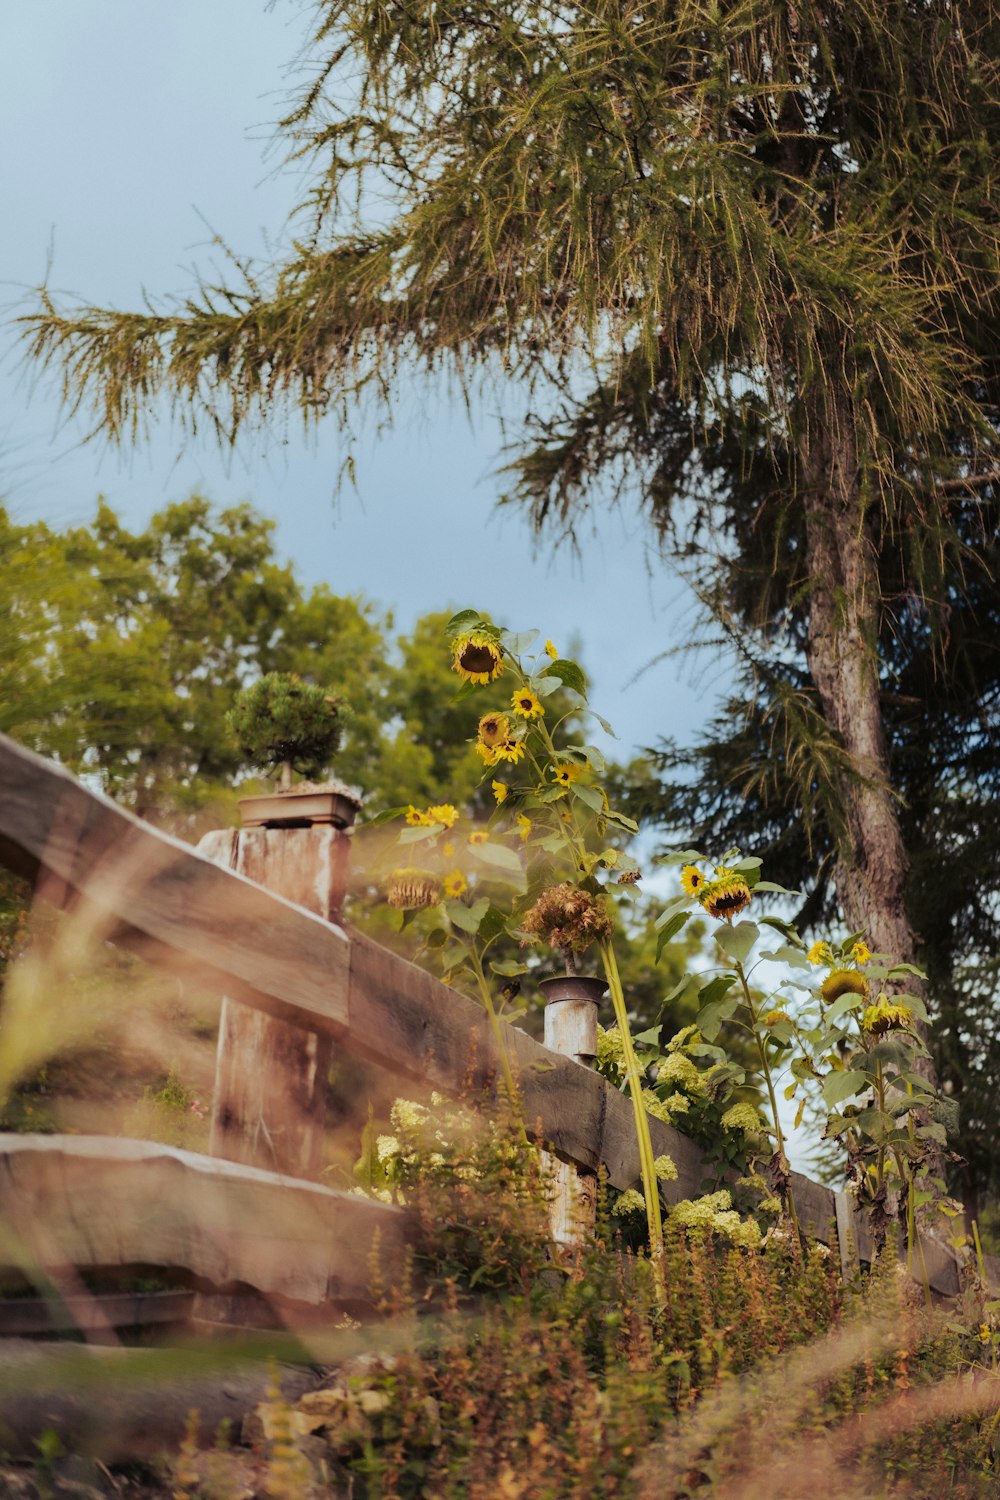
(128, 127)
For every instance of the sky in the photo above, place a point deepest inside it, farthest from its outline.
(132, 132)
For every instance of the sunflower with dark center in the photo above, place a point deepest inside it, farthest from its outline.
(410, 888)
(511, 749)
(526, 704)
(843, 982)
(725, 897)
(692, 880)
(566, 773)
(494, 730)
(477, 657)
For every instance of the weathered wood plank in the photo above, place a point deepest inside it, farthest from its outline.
(22, 1317)
(97, 1201)
(136, 883)
(271, 1077)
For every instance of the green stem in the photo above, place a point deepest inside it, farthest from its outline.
(766, 1069)
(497, 1028)
(650, 1185)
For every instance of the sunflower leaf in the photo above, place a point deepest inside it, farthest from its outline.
(501, 858)
(669, 930)
(569, 675)
(385, 816)
(465, 917)
(736, 942)
(466, 619)
(590, 796)
(838, 1086)
(543, 686)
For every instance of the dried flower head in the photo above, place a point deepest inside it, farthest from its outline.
(409, 888)
(569, 918)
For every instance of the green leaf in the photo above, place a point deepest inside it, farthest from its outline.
(838, 1086)
(508, 968)
(669, 930)
(589, 796)
(787, 954)
(898, 969)
(604, 725)
(466, 619)
(778, 890)
(569, 675)
(787, 930)
(716, 988)
(518, 644)
(648, 1038)
(843, 1005)
(750, 863)
(499, 857)
(437, 938)
(680, 857)
(418, 835)
(465, 917)
(737, 941)
(544, 686)
(595, 759)
(711, 1017)
(679, 903)
(385, 816)
(621, 821)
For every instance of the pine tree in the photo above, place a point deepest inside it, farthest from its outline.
(767, 228)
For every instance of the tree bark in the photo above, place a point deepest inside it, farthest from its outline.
(842, 653)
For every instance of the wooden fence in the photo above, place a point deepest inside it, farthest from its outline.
(68, 1203)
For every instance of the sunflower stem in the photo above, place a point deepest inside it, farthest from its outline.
(788, 1195)
(650, 1185)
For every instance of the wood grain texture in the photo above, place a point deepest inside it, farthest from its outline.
(271, 1077)
(130, 882)
(271, 954)
(97, 1201)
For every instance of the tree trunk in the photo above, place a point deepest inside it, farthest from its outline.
(842, 652)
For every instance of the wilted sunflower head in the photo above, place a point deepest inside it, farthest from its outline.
(725, 897)
(884, 1016)
(843, 982)
(494, 729)
(569, 918)
(477, 657)
(409, 888)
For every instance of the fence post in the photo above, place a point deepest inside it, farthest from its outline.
(571, 1030)
(271, 1076)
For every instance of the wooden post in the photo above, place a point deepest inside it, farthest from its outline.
(571, 1030)
(271, 1076)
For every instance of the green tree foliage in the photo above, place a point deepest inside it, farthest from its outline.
(771, 231)
(280, 721)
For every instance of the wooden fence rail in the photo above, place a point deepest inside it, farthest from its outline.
(157, 895)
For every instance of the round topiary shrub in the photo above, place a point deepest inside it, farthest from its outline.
(283, 725)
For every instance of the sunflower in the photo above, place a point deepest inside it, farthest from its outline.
(499, 790)
(551, 651)
(444, 814)
(726, 896)
(861, 953)
(774, 1016)
(883, 1016)
(477, 657)
(416, 818)
(843, 982)
(478, 836)
(692, 880)
(409, 888)
(566, 773)
(523, 828)
(494, 729)
(512, 750)
(526, 705)
(820, 953)
(455, 884)
(486, 755)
